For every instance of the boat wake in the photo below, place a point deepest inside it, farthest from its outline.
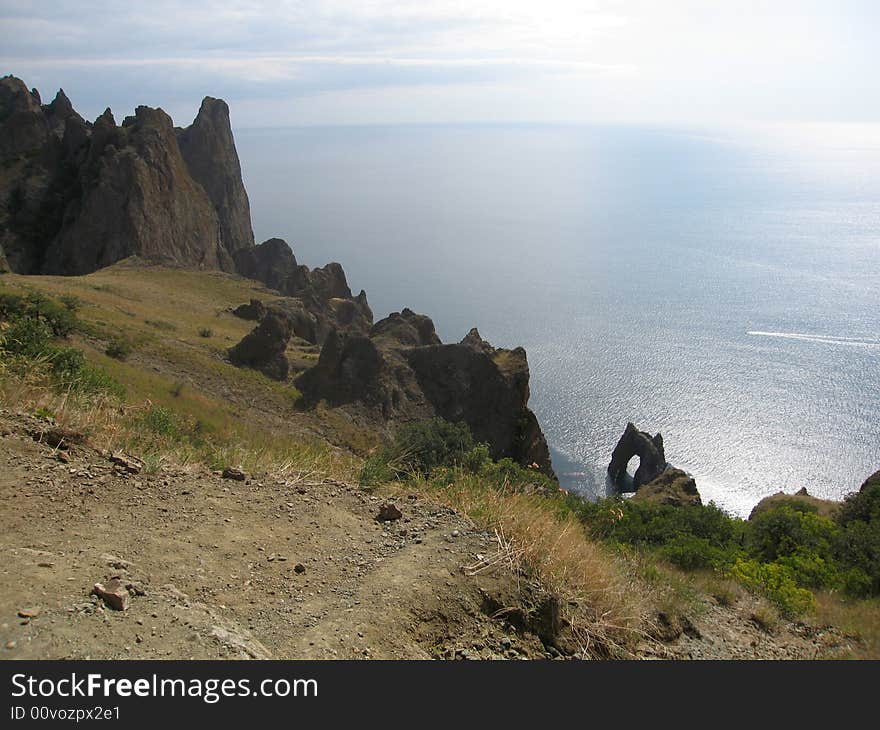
(824, 339)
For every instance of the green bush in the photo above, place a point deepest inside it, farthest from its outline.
(636, 522)
(118, 348)
(28, 337)
(71, 301)
(34, 324)
(788, 529)
(857, 550)
(35, 305)
(477, 459)
(777, 583)
(861, 506)
(425, 445)
(691, 553)
(161, 421)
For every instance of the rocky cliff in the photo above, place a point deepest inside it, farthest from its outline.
(76, 196)
(402, 372)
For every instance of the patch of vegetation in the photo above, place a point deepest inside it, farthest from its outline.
(206, 332)
(118, 348)
(31, 326)
(786, 552)
(439, 450)
(37, 306)
(161, 324)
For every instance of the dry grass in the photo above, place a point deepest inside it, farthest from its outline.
(600, 599)
(858, 619)
(196, 439)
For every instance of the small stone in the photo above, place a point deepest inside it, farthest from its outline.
(231, 472)
(126, 462)
(506, 643)
(388, 513)
(30, 612)
(113, 594)
(299, 568)
(135, 588)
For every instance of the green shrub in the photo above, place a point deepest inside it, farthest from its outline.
(777, 583)
(425, 445)
(28, 337)
(37, 306)
(118, 348)
(507, 473)
(161, 421)
(92, 380)
(636, 522)
(67, 363)
(788, 529)
(861, 506)
(477, 459)
(857, 550)
(71, 301)
(691, 553)
(376, 470)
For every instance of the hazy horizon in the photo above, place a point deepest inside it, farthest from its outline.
(381, 62)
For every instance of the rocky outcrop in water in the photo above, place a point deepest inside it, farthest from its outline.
(401, 372)
(871, 481)
(801, 500)
(673, 487)
(649, 449)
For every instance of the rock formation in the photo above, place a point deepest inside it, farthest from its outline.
(76, 196)
(263, 348)
(254, 310)
(672, 486)
(401, 372)
(209, 151)
(136, 197)
(320, 299)
(800, 499)
(649, 449)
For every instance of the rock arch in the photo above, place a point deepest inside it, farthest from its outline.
(648, 448)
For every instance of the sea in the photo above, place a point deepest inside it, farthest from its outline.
(720, 286)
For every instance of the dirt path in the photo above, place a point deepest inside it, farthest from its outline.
(217, 560)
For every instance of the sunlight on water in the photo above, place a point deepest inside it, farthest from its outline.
(722, 289)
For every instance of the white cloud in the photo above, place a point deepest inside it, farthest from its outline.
(564, 59)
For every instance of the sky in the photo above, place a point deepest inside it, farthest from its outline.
(283, 63)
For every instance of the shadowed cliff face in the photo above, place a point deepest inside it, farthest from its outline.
(401, 372)
(75, 196)
(136, 198)
(209, 151)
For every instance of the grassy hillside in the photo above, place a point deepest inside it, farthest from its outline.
(162, 333)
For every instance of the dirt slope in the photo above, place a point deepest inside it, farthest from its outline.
(217, 561)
